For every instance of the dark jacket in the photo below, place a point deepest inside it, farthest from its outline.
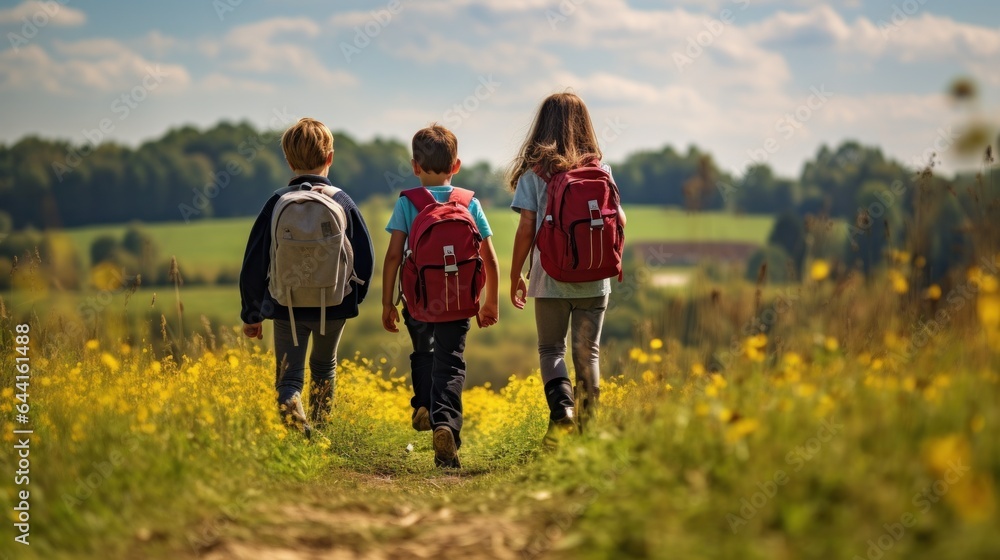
(256, 300)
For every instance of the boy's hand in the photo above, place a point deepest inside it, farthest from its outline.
(255, 330)
(488, 315)
(518, 291)
(390, 316)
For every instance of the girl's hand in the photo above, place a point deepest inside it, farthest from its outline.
(518, 292)
(255, 330)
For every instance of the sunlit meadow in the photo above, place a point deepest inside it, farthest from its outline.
(843, 433)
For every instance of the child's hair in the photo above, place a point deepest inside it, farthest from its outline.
(307, 144)
(435, 149)
(562, 138)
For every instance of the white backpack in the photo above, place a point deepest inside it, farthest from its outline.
(312, 261)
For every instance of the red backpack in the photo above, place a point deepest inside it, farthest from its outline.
(582, 236)
(442, 274)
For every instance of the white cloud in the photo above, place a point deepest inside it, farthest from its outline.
(278, 46)
(617, 56)
(920, 37)
(107, 66)
(43, 13)
(931, 37)
(820, 26)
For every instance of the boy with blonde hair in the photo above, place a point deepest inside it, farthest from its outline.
(307, 266)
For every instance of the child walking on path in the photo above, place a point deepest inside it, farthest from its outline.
(436, 316)
(562, 140)
(320, 255)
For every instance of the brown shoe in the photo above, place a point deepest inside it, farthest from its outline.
(422, 419)
(445, 450)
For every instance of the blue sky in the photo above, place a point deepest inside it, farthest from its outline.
(770, 79)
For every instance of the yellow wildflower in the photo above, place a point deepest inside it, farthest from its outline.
(655, 344)
(820, 270)
(940, 453)
(988, 309)
(741, 428)
(111, 362)
(898, 281)
(933, 292)
(757, 341)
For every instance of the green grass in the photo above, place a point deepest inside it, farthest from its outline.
(210, 245)
(205, 247)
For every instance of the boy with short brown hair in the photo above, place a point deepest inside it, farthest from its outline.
(437, 363)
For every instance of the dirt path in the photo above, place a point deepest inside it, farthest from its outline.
(374, 518)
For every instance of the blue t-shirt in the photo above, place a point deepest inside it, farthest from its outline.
(404, 212)
(532, 195)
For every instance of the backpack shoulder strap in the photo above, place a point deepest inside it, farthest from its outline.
(328, 190)
(461, 196)
(419, 196)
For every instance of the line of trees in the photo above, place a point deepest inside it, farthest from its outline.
(229, 169)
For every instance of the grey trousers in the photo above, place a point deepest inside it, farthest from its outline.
(291, 359)
(554, 317)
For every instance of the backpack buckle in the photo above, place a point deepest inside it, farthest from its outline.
(452, 267)
(596, 222)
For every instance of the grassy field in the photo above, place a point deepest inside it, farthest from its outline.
(209, 247)
(844, 432)
(843, 435)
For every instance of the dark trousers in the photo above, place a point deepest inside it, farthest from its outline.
(291, 360)
(437, 366)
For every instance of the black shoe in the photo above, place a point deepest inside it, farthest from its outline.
(421, 419)
(445, 450)
(560, 429)
(294, 415)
